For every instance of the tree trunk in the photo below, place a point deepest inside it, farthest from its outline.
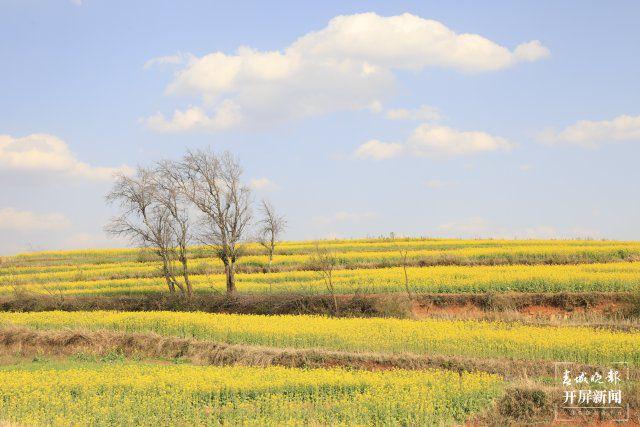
(167, 276)
(229, 270)
(333, 292)
(272, 249)
(188, 283)
(185, 274)
(269, 271)
(172, 276)
(406, 280)
(403, 257)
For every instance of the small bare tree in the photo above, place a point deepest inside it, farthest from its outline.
(325, 262)
(213, 184)
(271, 227)
(403, 258)
(144, 220)
(404, 255)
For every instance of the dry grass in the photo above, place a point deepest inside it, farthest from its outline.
(388, 305)
(28, 342)
(607, 310)
(526, 401)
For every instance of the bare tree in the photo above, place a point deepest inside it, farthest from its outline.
(404, 255)
(213, 184)
(143, 220)
(271, 227)
(403, 258)
(325, 262)
(170, 197)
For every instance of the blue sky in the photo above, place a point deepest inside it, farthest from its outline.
(389, 118)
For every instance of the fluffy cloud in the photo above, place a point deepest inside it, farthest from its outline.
(591, 134)
(44, 154)
(378, 150)
(25, 221)
(226, 116)
(262, 184)
(422, 113)
(432, 141)
(531, 51)
(428, 140)
(410, 42)
(348, 65)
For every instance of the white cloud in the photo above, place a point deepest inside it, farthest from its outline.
(264, 184)
(348, 65)
(408, 42)
(26, 221)
(378, 150)
(44, 154)
(591, 134)
(436, 184)
(422, 113)
(431, 140)
(175, 59)
(76, 2)
(344, 216)
(226, 116)
(477, 227)
(531, 51)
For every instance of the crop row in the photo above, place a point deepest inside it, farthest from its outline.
(445, 337)
(611, 277)
(142, 394)
(357, 251)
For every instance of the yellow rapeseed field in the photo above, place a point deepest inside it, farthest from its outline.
(609, 277)
(141, 394)
(433, 336)
(368, 251)
(82, 391)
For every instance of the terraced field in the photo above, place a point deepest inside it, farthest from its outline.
(610, 277)
(467, 338)
(364, 267)
(475, 325)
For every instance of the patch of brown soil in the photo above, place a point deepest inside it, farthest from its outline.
(466, 310)
(596, 310)
(545, 311)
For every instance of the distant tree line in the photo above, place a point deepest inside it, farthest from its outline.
(200, 199)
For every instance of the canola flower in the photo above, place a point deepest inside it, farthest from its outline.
(143, 394)
(609, 277)
(433, 336)
(368, 251)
